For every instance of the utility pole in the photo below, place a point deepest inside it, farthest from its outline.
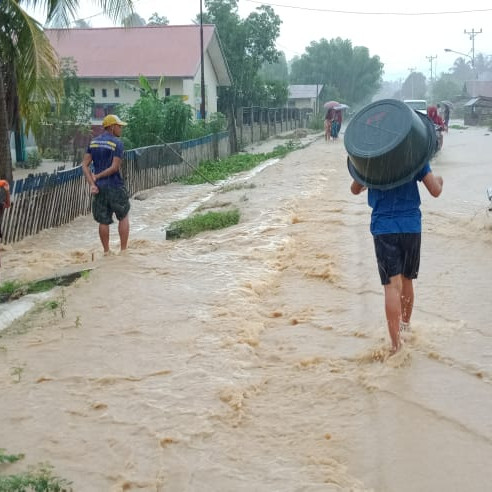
(431, 58)
(202, 91)
(473, 34)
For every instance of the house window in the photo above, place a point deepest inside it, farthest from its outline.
(92, 92)
(167, 91)
(104, 93)
(116, 93)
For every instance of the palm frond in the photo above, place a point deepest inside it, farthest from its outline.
(35, 63)
(58, 12)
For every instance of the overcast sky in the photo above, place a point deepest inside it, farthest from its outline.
(405, 35)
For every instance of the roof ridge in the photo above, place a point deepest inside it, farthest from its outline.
(122, 27)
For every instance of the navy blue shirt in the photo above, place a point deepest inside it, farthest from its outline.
(398, 209)
(102, 149)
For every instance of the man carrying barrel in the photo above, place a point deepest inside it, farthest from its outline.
(396, 222)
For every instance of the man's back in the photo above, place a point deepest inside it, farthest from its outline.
(103, 149)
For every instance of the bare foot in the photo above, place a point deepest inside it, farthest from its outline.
(394, 350)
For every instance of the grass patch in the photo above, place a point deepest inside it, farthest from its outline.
(221, 169)
(39, 479)
(458, 127)
(14, 289)
(202, 222)
(9, 458)
(9, 287)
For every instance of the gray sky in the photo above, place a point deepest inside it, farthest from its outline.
(404, 35)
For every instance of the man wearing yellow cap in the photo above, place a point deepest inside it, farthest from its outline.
(107, 186)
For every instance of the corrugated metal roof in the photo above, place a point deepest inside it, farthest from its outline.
(481, 101)
(153, 51)
(304, 91)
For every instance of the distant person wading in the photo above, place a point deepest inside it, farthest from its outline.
(106, 183)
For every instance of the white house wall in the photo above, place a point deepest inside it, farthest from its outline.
(211, 83)
(128, 91)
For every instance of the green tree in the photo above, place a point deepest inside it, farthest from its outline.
(446, 87)
(414, 86)
(155, 120)
(348, 73)
(275, 71)
(31, 64)
(67, 127)
(157, 20)
(133, 20)
(82, 24)
(248, 44)
(462, 70)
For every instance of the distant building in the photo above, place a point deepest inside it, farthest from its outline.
(305, 96)
(478, 110)
(110, 60)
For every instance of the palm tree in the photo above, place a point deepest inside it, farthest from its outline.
(29, 64)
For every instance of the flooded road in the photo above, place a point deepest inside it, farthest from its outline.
(256, 357)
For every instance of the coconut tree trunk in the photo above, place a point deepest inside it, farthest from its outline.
(5, 155)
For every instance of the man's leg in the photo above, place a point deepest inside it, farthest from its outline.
(392, 304)
(104, 236)
(407, 297)
(124, 232)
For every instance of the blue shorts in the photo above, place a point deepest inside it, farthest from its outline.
(397, 254)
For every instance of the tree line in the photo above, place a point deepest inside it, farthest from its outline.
(33, 82)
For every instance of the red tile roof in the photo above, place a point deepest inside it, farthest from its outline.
(153, 51)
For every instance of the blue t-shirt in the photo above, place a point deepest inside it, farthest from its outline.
(398, 209)
(102, 149)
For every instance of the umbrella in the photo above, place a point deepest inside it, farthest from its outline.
(339, 107)
(449, 104)
(331, 104)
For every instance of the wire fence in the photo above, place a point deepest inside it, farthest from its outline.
(43, 201)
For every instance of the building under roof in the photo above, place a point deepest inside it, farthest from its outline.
(107, 56)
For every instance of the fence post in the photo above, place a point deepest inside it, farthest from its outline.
(260, 116)
(240, 117)
(251, 123)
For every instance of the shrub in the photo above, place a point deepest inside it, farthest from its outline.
(317, 122)
(33, 160)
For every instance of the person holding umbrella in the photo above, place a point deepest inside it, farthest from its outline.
(333, 119)
(329, 118)
(447, 109)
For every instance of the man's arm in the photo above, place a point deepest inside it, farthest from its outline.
(114, 168)
(86, 162)
(433, 184)
(357, 188)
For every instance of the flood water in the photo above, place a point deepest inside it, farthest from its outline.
(256, 357)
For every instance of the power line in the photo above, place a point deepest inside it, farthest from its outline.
(352, 12)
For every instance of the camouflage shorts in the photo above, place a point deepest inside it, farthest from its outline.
(110, 201)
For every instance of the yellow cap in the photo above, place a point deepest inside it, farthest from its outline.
(112, 119)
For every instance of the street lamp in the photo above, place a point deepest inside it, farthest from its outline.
(462, 54)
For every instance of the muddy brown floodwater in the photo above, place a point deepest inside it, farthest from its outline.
(256, 357)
